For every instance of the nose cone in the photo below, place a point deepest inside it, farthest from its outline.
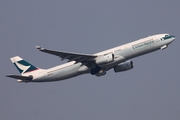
(172, 38)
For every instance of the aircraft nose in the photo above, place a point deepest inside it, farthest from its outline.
(169, 38)
(173, 38)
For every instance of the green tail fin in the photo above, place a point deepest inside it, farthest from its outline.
(22, 65)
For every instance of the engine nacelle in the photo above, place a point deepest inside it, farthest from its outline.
(124, 66)
(101, 73)
(105, 59)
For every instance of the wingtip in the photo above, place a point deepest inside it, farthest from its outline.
(39, 47)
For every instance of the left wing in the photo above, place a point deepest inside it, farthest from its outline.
(78, 57)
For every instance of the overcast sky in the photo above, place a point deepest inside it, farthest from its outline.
(150, 91)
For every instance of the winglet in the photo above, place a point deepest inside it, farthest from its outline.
(39, 47)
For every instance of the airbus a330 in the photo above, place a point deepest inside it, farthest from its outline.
(98, 64)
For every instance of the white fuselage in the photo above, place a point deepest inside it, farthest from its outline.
(121, 53)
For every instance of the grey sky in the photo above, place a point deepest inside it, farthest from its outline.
(150, 91)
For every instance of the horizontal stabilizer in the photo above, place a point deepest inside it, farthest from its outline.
(21, 77)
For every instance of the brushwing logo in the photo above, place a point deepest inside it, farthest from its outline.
(24, 66)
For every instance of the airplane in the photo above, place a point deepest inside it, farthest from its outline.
(98, 64)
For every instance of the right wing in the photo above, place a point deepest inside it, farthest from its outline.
(78, 57)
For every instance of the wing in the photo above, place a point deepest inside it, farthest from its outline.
(78, 57)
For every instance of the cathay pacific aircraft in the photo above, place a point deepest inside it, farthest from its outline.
(98, 64)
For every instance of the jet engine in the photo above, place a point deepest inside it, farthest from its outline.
(124, 66)
(101, 73)
(104, 59)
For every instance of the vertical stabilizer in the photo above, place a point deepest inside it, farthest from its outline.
(22, 65)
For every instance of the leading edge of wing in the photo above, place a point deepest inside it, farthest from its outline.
(78, 57)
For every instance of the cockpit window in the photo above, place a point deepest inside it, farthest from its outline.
(167, 37)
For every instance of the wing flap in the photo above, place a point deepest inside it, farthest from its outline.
(78, 57)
